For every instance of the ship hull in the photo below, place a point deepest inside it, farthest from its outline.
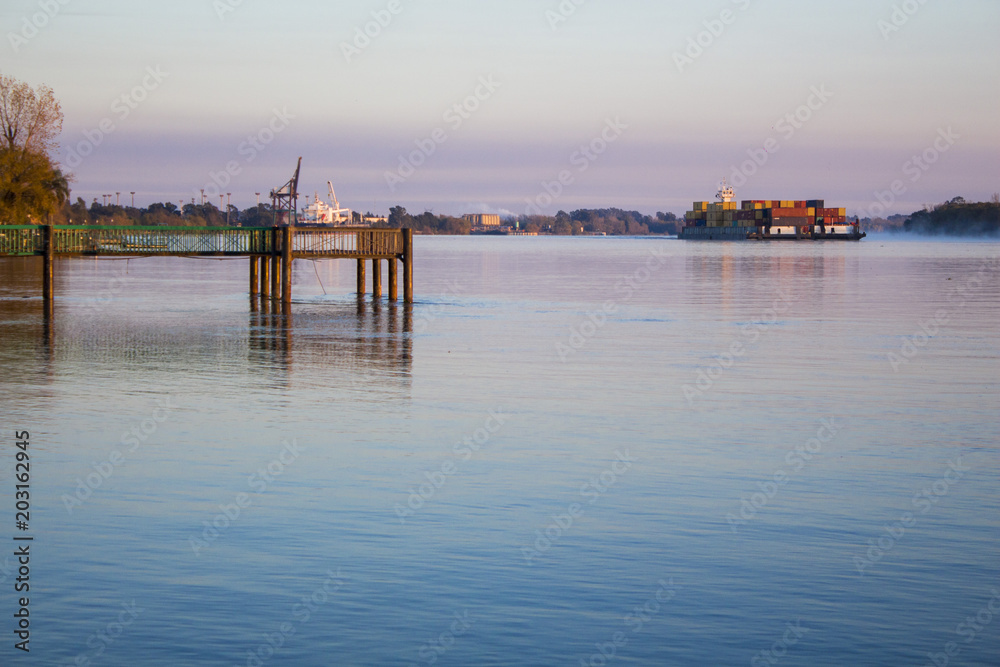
(818, 233)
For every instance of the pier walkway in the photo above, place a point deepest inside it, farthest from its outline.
(271, 250)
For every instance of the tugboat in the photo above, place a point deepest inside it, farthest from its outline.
(764, 220)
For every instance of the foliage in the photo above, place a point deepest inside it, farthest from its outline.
(957, 218)
(31, 187)
(30, 119)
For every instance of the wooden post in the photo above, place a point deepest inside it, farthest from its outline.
(286, 264)
(275, 264)
(408, 265)
(393, 280)
(265, 276)
(254, 276)
(48, 259)
(377, 278)
(362, 278)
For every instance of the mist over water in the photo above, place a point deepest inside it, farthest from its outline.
(568, 451)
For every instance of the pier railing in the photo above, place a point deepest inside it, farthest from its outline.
(349, 242)
(19, 240)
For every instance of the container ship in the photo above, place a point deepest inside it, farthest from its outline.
(760, 220)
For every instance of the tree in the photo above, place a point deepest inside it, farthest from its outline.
(30, 119)
(30, 187)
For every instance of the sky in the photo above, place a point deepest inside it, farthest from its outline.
(521, 106)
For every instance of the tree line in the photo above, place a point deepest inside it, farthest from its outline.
(955, 217)
(611, 221)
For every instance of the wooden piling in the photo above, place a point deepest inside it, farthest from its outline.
(393, 280)
(362, 278)
(265, 276)
(286, 264)
(48, 260)
(376, 278)
(275, 263)
(407, 265)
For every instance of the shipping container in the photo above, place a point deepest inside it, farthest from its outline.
(790, 212)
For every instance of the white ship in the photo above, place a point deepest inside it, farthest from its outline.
(323, 213)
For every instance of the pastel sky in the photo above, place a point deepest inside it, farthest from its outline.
(663, 119)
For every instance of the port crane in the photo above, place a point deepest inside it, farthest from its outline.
(337, 211)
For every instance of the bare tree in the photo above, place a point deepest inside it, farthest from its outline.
(30, 118)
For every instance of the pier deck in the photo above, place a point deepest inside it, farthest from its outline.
(271, 250)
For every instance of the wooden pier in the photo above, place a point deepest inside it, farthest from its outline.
(271, 250)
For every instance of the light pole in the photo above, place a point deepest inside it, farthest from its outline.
(118, 199)
(229, 203)
(202, 197)
(133, 199)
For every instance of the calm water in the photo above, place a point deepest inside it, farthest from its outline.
(569, 451)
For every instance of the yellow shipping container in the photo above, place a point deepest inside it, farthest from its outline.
(811, 212)
(842, 212)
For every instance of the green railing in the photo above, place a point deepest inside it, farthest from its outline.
(19, 241)
(161, 241)
(77, 240)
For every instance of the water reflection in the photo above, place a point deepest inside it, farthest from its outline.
(268, 344)
(355, 336)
